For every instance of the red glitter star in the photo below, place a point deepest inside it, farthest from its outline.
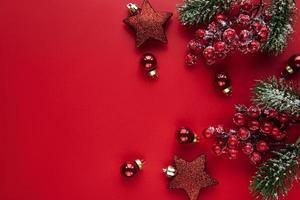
(148, 23)
(191, 177)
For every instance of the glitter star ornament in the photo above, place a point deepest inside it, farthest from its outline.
(189, 176)
(148, 24)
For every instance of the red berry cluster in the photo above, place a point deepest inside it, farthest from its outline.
(244, 30)
(257, 131)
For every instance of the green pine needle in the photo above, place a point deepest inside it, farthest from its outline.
(195, 12)
(278, 94)
(275, 177)
(280, 25)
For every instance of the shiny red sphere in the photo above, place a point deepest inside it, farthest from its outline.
(262, 146)
(254, 112)
(148, 61)
(248, 149)
(239, 119)
(200, 33)
(185, 136)
(254, 46)
(266, 127)
(208, 132)
(283, 118)
(217, 149)
(195, 46)
(229, 35)
(232, 141)
(220, 46)
(209, 52)
(129, 169)
(255, 158)
(294, 62)
(253, 125)
(243, 133)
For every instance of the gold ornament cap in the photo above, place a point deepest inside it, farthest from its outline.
(133, 9)
(170, 171)
(139, 163)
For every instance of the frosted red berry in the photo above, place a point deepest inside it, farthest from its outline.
(262, 146)
(243, 133)
(239, 119)
(209, 132)
(248, 149)
(255, 158)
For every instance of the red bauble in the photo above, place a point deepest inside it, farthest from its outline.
(233, 154)
(243, 133)
(248, 149)
(254, 112)
(262, 146)
(229, 35)
(256, 26)
(254, 46)
(255, 158)
(130, 169)
(200, 33)
(239, 119)
(232, 141)
(266, 127)
(293, 65)
(263, 36)
(244, 19)
(283, 118)
(148, 62)
(191, 59)
(186, 136)
(220, 47)
(271, 113)
(195, 46)
(209, 52)
(217, 149)
(276, 131)
(209, 132)
(253, 125)
(223, 83)
(267, 16)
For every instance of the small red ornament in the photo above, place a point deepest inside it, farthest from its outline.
(232, 141)
(243, 133)
(276, 131)
(220, 17)
(149, 64)
(130, 169)
(186, 136)
(266, 127)
(195, 46)
(243, 19)
(223, 82)
(254, 112)
(271, 113)
(267, 16)
(255, 158)
(191, 59)
(280, 136)
(209, 132)
(220, 47)
(254, 46)
(283, 118)
(248, 149)
(253, 125)
(229, 35)
(209, 52)
(293, 65)
(200, 33)
(256, 26)
(262, 146)
(239, 119)
(217, 149)
(233, 154)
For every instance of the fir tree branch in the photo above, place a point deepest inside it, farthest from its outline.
(275, 177)
(278, 94)
(280, 25)
(193, 12)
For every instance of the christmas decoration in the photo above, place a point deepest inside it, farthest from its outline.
(281, 14)
(148, 23)
(133, 9)
(236, 25)
(189, 176)
(186, 136)
(293, 66)
(277, 94)
(246, 32)
(257, 132)
(223, 83)
(274, 178)
(130, 169)
(149, 64)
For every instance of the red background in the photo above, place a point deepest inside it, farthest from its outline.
(75, 105)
